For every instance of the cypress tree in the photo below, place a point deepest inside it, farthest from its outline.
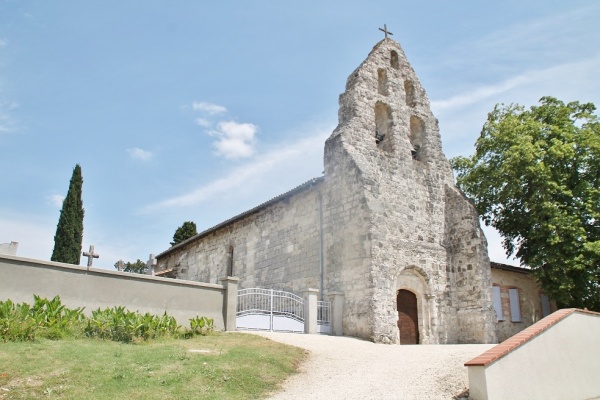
(69, 231)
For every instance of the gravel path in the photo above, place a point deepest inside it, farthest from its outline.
(350, 368)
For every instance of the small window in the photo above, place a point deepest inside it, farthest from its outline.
(383, 126)
(394, 60)
(417, 135)
(497, 302)
(545, 305)
(515, 307)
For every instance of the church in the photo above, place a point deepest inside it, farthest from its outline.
(385, 225)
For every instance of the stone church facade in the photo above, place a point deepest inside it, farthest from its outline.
(385, 226)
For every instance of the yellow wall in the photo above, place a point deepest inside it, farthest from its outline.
(529, 301)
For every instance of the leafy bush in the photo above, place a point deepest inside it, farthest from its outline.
(122, 325)
(200, 326)
(46, 318)
(52, 320)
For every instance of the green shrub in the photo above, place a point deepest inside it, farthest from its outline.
(46, 318)
(16, 323)
(51, 319)
(121, 325)
(200, 326)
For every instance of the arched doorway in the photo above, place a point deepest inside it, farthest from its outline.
(408, 320)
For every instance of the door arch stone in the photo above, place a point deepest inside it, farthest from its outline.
(416, 281)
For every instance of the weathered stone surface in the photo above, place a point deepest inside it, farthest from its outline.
(392, 219)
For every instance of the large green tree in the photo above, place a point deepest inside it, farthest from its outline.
(535, 177)
(185, 231)
(69, 231)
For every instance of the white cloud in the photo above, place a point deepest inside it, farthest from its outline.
(56, 200)
(462, 116)
(203, 122)
(235, 140)
(480, 93)
(139, 154)
(286, 166)
(209, 108)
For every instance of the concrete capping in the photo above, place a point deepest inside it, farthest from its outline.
(310, 310)
(502, 349)
(31, 262)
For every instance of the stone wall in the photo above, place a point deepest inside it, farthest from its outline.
(348, 241)
(276, 246)
(469, 272)
(388, 138)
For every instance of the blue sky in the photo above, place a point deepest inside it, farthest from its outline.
(198, 110)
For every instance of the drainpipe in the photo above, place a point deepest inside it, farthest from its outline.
(320, 244)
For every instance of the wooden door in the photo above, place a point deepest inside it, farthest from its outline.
(408, 319)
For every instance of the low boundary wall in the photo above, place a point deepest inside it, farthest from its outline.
(21, 278)
(554, 359)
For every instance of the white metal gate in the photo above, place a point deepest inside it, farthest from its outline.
(276, 310)
(270, 310)
(324, 317)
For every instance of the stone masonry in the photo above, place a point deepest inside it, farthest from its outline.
(386, 211)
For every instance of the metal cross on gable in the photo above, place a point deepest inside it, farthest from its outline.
(385, 31)
(90, 256)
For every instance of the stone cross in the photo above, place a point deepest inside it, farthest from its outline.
(90, 256)
(120, 265)
(150, 264)
(384, 30)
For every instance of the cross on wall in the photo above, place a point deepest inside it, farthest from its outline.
(90, 255)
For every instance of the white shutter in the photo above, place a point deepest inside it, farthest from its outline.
(515, 308)
(497, 302)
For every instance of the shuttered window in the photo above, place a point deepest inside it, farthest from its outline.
(515, 308)
(497, 302)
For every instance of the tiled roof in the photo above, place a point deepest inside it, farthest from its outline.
(511, 268)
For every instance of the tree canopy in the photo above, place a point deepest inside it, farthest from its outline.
(138, 267)
(184, 232)
(535, 177)
(69, 231)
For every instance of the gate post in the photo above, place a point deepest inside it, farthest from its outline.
(310, 310)
(337, 313)
(230, 284)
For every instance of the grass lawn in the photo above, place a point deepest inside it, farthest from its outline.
(217, 366)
